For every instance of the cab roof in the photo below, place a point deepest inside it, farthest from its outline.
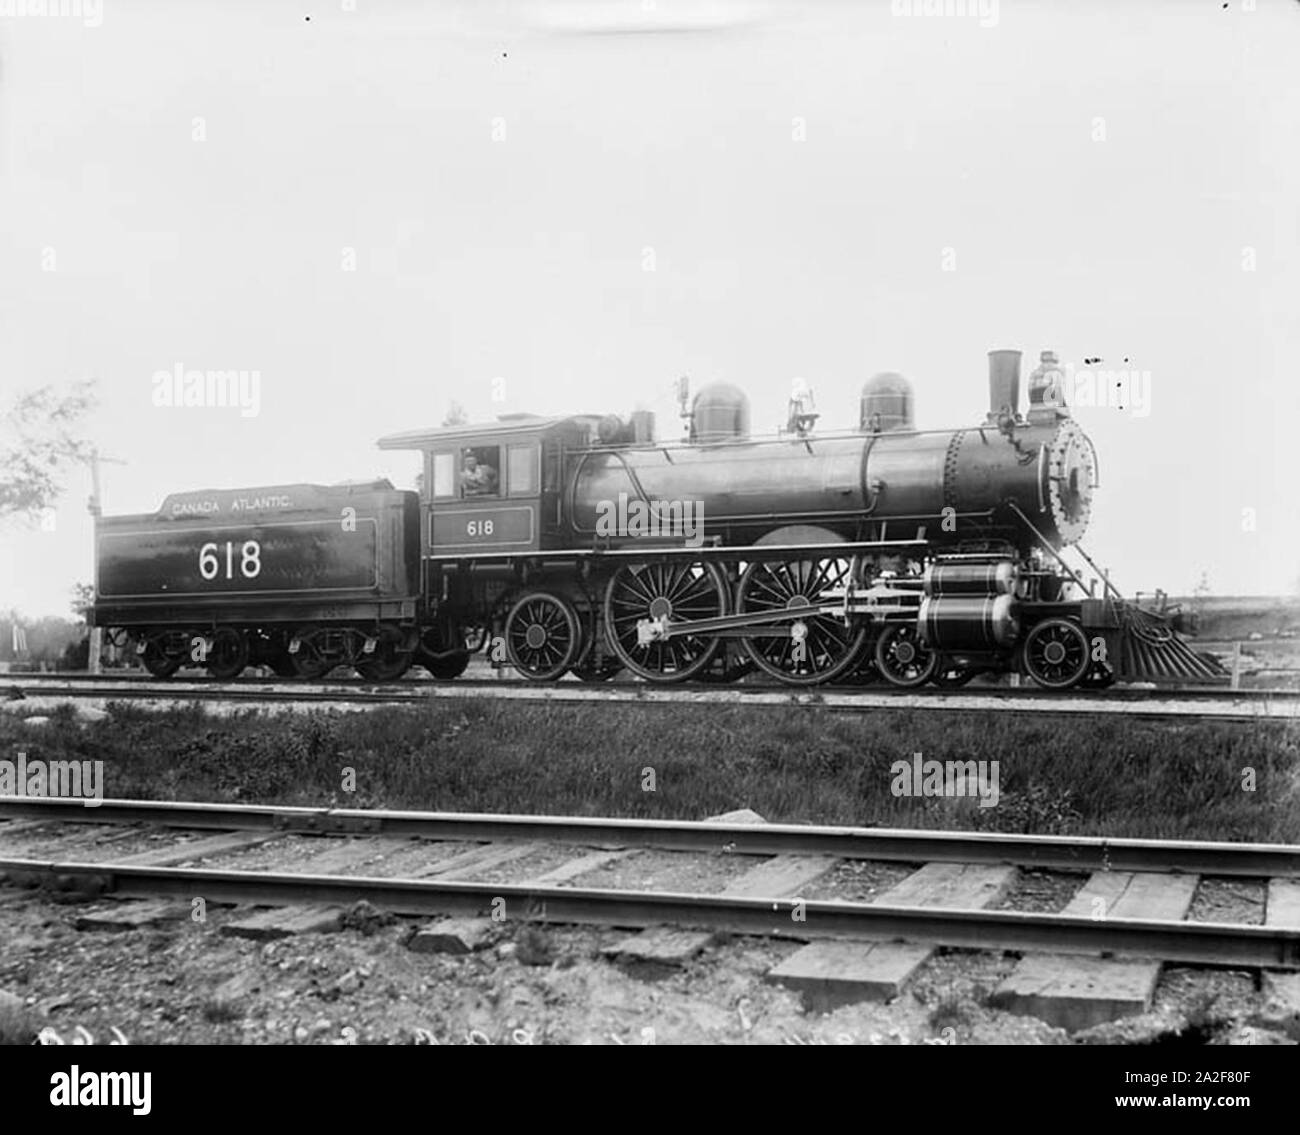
(508, 425)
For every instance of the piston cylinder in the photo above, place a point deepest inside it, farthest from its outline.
(970, 579)
(968, 622)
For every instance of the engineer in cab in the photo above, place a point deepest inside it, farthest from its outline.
(477, 479)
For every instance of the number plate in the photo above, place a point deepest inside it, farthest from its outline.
(482, 527)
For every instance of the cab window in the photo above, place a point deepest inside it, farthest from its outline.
(480, 467)
(444, 474)
(523, 470)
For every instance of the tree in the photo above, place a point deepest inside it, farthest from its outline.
(83, 598)
(37, 443)
(40, 642)
(456, 415)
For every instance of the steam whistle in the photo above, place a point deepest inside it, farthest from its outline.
(684, 402)
(802, 414)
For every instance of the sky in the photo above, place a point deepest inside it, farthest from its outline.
(380, 206)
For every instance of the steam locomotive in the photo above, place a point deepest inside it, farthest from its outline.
(581, 544)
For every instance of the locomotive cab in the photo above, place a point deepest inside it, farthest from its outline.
(492, 488)
(482, 491)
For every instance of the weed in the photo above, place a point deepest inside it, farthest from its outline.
(1145, 779)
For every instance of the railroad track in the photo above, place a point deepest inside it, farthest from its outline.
(1133, 902)
(1223, 705)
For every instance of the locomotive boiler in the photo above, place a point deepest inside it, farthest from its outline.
(959, 486)
(581, 544)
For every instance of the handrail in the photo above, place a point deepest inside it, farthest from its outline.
(1046, 544)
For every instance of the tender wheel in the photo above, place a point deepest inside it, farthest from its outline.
(1056, 654)
(388, 661)
(543, 636)
(158, 662)
(308, 660)
(669, 590)
(229, 653)
(903, 659)
(806, 651)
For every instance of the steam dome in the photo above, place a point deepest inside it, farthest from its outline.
(886, 404)
(720, 412)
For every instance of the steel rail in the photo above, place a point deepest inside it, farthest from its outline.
(1062, 853)
(131, 678)
(1212, 705)
(1225, 944)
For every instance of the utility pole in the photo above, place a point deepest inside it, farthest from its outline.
(95, 507)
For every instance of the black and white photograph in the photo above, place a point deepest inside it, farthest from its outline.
(650, 522)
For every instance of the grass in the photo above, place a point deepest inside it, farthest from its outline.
(952, 1012)
(1103, 776)
(17, 1022)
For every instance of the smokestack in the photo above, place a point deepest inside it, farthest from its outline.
(1004, 383)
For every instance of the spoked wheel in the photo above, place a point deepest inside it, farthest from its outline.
(808, 650)
(229, 653)
(308, 660)
(1056, 654)
(158, 662)
(543, 636)
(903, 659)
(389, 660)
(672, 591)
